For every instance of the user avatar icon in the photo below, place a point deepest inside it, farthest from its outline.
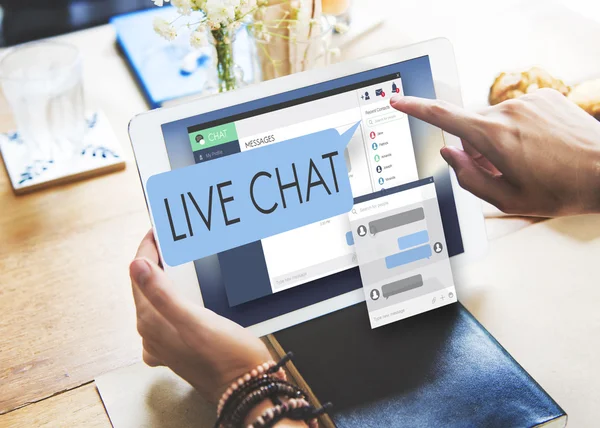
(379, 169)
(395, 88)
(381, 180)
(374, 294)
(438, 247)
(372, 135)
(374, 145)
(362, 230)
(367, 98)
(377, 158)
(200, 139)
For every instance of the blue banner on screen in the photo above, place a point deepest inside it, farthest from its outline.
(211, 207)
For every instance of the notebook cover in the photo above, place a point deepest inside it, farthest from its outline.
(440, 368)
(158, 63)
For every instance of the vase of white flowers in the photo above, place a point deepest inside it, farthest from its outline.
(289, 34)
(211, 22)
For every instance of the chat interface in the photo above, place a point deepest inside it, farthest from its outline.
(401, 251)
(380, 155)
(313, 264)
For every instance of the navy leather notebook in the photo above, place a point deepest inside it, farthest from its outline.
(437, 369)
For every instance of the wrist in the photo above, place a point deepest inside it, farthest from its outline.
(590, 194)
(596, 182)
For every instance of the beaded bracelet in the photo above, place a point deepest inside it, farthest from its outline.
(235, 399)
(308, 414)
(268, 380)
(278, 412)
(269, 367)
(250, 401)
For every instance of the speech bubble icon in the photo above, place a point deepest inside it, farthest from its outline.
(401, 286)
(409, 256)
(210, 207)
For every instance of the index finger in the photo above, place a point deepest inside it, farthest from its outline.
(449, 117)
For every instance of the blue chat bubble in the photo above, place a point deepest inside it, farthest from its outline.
(214, 206)
(408, 256)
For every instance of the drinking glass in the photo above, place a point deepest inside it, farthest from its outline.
(42, 82)
(284, 46)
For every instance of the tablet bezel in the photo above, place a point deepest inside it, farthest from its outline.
(145, 131)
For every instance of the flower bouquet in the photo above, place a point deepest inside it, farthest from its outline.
(289, 35)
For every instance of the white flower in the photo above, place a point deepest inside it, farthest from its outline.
(184, 7)
(340, 27)
(222, 11)
(199, 4)
(198, 37)
(335, 52)
(159, 3)
(213, 25)
(234, 26)
(163, 28)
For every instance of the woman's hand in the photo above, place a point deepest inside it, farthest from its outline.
(205, 349)
(535, 155)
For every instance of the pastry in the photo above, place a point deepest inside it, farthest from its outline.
(587, 96)
(513, 85)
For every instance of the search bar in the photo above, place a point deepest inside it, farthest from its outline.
(384, 118)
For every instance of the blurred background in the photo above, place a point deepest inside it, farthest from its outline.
(24, 21)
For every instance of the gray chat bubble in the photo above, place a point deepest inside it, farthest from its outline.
(396, 220)
(401, 286)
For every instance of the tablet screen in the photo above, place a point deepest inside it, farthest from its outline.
(295, 269)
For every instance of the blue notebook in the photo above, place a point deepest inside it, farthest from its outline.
(437, 369)
(162, 67)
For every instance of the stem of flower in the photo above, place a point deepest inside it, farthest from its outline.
(225, 64)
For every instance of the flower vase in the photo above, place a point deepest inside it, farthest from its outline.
(228, 74)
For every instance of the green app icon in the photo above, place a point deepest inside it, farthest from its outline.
(214, 136)
(377, 158)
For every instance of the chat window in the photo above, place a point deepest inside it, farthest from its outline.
(401, 252)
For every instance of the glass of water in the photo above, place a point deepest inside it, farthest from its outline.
(42, 82)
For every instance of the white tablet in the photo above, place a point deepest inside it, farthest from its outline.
(308, 272)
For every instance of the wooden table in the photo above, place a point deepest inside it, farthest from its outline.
(67, 314)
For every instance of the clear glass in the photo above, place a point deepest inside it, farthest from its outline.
(42, 82)
(284, 45)
(225, 74)
(339, 10)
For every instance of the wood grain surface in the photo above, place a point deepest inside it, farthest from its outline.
(66, 309)
(80, 407)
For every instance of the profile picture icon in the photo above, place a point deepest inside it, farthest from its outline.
(372, 135)
(374, 146)
(381, 181)
(362, 230)
(377, 158)
(367, 98)
(200, 139)
(379, 169)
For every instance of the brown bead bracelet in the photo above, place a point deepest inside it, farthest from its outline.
(268, 380)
